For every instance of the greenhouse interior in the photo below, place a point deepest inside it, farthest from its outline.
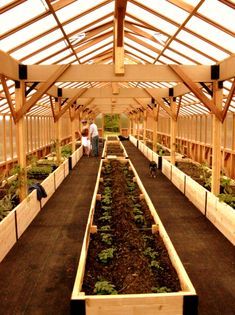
(117, 157)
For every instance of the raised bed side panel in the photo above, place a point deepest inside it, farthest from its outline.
(124, 150)
(133, 140)
(59, 176)
(79, 153)
(150, 154)
(222, 216)
(155, 157)
(166, 168)
(82, 261)
(196, 194)
(74, 159)
(141, 304)
(7, 234)
(26, 211)
(66, 168)
(178, 178)
(49, 185)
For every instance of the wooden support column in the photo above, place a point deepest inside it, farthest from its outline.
(216, 140)
(102, 126)
(173, 130)
(72, 117)
(58, 131)
(145, 123)
(21, 139)
(138, 125)
(155, 126)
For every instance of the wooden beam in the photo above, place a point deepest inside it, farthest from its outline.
(8, 96)
(197, 92)
(228, 101)
(119, 16)
(70, 103)
(173, 130)
(161, 103)
(115, 88)
(216, 141)
(136, 73)
(42, 89)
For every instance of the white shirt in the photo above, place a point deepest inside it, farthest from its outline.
(93, 130)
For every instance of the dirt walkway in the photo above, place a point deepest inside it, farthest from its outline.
(207, 255)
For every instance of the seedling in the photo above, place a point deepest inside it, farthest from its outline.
(105, 218)
(149, 252)
(104, 288)
(106, 238)
(160, 290)
(139, 219)
(106, 255)
(155, 264)
(105, 228)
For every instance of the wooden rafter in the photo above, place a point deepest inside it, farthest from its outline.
(197, 92)
(41, 90)
(70, 103)
(119, 17)
(228, 101)
(161, 103)
(8, 96)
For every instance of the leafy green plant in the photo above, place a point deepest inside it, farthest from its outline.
(105, 228)
(66, 151)
(149, 252)
(105, 217)
(139, 219)
(160, 151)
(106, 255)
(106, 208)
(227, 198)
(6, 205)
(106, 238)
(104, 288)
(160, 290)
(225, 182)
(39, 171)
(155, 264)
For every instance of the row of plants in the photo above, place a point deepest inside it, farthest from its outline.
(124, 256)
(37, 171)
(202, 174)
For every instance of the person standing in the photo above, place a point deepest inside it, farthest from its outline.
(94, 137)
(84, 137)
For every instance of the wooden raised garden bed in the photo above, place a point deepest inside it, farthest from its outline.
(114, 149)
(128, 264)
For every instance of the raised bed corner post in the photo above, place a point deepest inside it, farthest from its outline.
(216, 140)
(173, 129)
(21, 138)
(58, 130)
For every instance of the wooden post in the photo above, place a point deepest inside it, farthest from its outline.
(102, 125)
(21, 139)
(58, 132)
(73, 128)
(216, 141)
(145, 123)
(131, 132)
(138, 125)
(155, 126)
(173, 130)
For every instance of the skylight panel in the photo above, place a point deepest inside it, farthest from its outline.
(211, 33)
(78, 7)
(37, 44)
(202, 45)
(56, 58)
(46, 53)
(218, 12)
(189, 52)
(167, 9)
(141, 47)
(20, 14)
(27, 33)
(93, 47)
(97, 52)
(152, 19)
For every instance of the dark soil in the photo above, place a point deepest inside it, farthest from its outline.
(135, 247)
(192, 170)
(114, 149)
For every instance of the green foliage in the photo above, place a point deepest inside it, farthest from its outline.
(66, 151)
(106, 238)
(155, 264)
(160, 290)
(6, 205)
(227, 198)
(37, 171)
(106, 208)
(149, 252)
(139, 219)
(104, 288)
(105, 217)
(131, 186)
(225, 182)
(105, 228)
(160, 151)
(106, 255)
(111, 123)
